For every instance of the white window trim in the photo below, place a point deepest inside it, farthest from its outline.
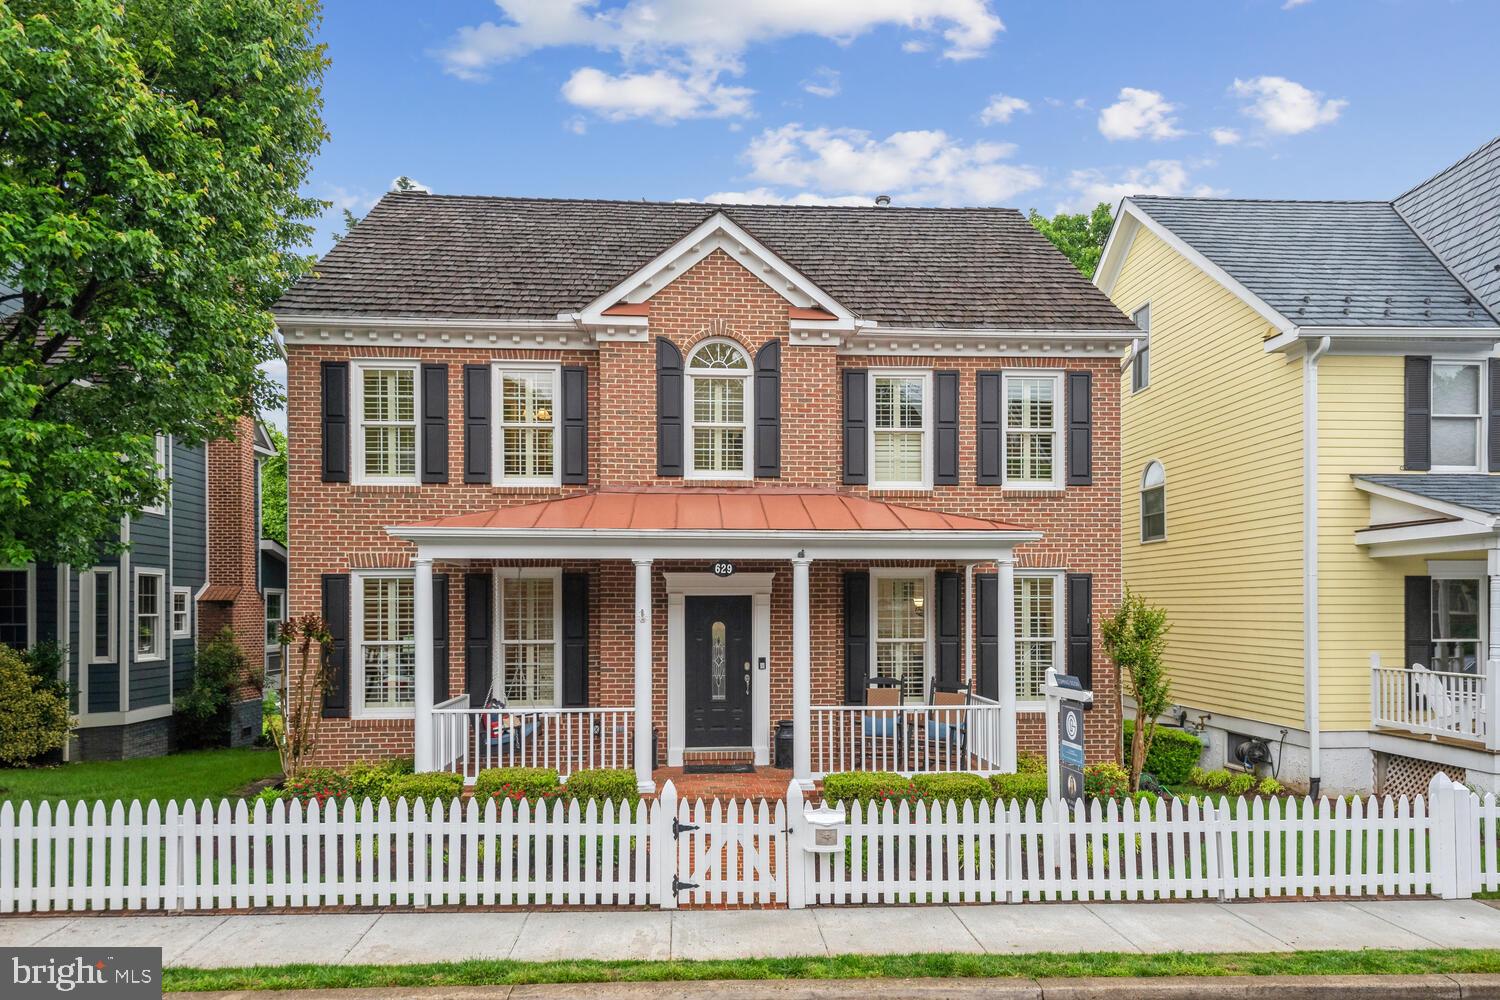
(1141, 496)
(925, 483)
(1464, 569)
(357, 709)
(497, 437)
(497, 670)
(929, 646)
(30, 571)
(163, 623)
(1141, 349)
(187, 594)
(1059, 626)
(87, 586)
(1059, 427)
(163, 473)
(267, 597)
(357, 370)
(1481, 424)
(747, 459)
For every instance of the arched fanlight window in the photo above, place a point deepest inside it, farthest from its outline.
(1154, 503)
(718, 409)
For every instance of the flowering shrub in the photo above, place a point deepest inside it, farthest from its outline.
(318, 784)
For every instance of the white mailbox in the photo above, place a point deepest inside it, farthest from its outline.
(827, 825)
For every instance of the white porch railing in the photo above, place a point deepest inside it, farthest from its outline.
(1433, 703)
(908, 738)
(468, 740)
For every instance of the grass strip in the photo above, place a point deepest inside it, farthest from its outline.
(941, 966)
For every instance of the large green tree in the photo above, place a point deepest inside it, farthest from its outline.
(152, 154)
(1081, 238)
(273, 490)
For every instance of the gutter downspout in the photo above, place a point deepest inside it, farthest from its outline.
(1310, 681)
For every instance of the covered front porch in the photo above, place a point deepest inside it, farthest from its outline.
(716, 616)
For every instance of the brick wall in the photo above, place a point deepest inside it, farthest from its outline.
(337, 527)
(233, 555)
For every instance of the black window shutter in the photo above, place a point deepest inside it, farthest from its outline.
(1418, 438)
(1080, 429)
(950, 643)
(434, 423)
(476, 423)
(575, 424)
(439, 637)
(479, 629)
(988, 468)
(669, 390)
(988, 622)
(335, 421)
(856, 636)
(945, 428)
(1418, 621)
(768, 411)
(1081, 628)
(856, 426)
(1494, 429)
(336, 620)
(575, 639)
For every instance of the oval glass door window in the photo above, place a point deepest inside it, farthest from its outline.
(718, 680)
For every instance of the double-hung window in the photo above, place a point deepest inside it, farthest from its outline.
(275, 615)
(385, 616)
(1140, 360)
(17, 613)
(1457, 620)
(160, 458)
(99, 620)
(150, 630)
(385, 409)
(1457, 416)
(899, 430)
(1033, 436)
(526, 445)
(530, 609)
(182, 613)
(1038, 631)
(1154, 503)
(718, 411)
(902, 629)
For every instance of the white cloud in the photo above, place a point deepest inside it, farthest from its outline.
(357, 201)
(766, 196)
(1002, 108)
(824, 82)
(658, 95)
(1139, 113)
(926, 167)
(1285, 107)
(1293, 4)
(1225, 136)
(578, 125)
(914, 46)
(275, 369)
(697, 41)
(1162, 177)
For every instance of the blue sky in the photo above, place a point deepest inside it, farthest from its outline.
(1052, 104)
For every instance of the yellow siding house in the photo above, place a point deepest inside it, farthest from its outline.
(1311, 416)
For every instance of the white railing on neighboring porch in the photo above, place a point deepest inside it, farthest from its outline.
(468, 740)
(908, 738)
(1433, 703)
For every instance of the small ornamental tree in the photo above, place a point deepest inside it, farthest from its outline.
(295, 729)
(1135, 638)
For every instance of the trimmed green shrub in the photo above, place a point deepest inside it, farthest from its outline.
(317, 784)
(1215, 779)
(529, 783)
(1240, 784)
(201, 716)
(866, 787)
(603, 785)
(35, 717)
(1020, 787)
(1269, 786)
(1028, 762)
(1174, 753)
(430, 787)
(373, 779)
(957, 787)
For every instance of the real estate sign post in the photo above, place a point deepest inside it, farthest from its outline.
(1065, 700)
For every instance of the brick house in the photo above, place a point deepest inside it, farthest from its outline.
(586, 483)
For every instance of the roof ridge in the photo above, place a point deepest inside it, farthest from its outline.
(689, 203)
(1261, 201)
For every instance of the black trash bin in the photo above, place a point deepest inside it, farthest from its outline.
(784, 744)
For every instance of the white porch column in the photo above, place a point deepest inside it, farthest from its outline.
(422, 636)
(1005, 617)
(643, 625)
(802, 671)
(1492, 657)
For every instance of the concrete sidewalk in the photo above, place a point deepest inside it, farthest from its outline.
(400, 938)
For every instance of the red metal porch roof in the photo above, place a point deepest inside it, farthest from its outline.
(687, 509)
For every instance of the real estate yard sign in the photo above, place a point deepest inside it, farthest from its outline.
(1065, 701)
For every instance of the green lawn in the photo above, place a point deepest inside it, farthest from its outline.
(1042, 966)
(201, 774)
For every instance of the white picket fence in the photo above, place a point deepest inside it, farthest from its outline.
(669, 853)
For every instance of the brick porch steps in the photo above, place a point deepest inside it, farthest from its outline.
(765, 783)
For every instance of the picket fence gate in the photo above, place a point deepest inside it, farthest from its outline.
(671, 853)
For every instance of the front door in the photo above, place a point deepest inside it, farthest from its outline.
(717, 665)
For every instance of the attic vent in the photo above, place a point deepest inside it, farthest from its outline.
(882, 200)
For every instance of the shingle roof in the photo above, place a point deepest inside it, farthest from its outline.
(482, 257)
(1458, 214)
(1475, 491)
(1324, 263)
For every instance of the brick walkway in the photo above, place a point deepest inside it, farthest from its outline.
(765, 783)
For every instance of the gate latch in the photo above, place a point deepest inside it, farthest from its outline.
(679, 828)
(678, 885)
